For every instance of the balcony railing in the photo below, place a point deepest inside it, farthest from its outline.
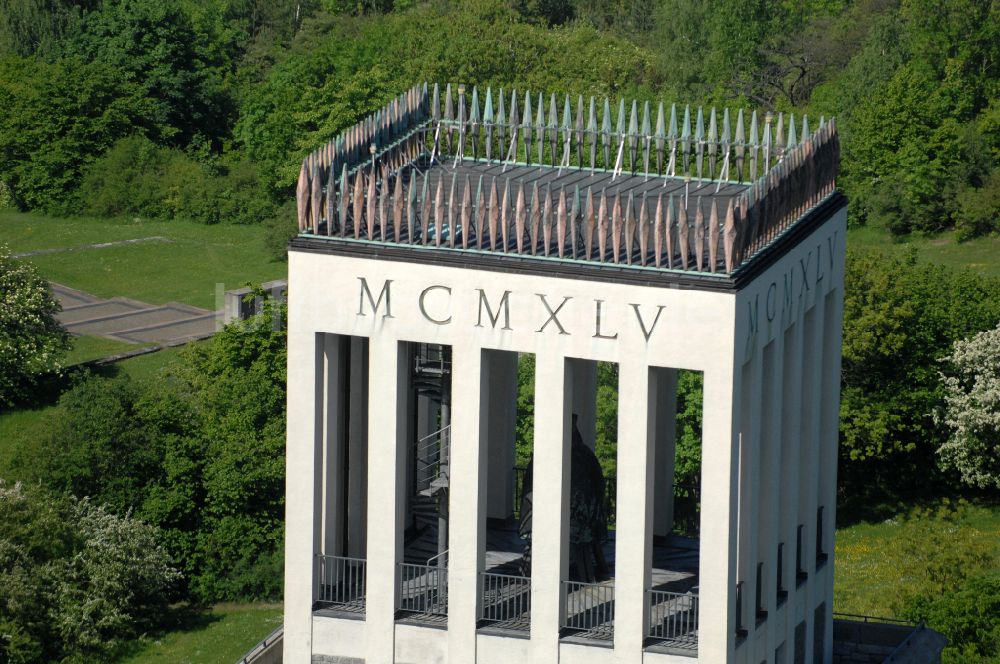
(506, 602)
(423, 591)
(590, 610)
(673, 619)
(340, 583)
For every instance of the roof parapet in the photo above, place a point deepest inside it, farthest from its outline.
(372, 182)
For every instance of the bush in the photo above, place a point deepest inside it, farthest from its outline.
(969, 617)
(279, 229)
(979, 209)
(137, 177)
(76, 581)
(32, 341)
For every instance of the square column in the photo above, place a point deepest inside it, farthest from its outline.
(388, 367)
(637, 400)
(550, 507)
(583, 395)
(501, 413)
(663, 382)
(717, 552)
(302, 480)
(335, 437)
(467, 498)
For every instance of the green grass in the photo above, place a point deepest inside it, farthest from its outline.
(223, 634)
(88, 348)
(185, 269)
(22, 432)
(870, 569)
(981, 255)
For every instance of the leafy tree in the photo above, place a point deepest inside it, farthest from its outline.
(972, 410)
(35, 27)
(57, 118)
(103, 445)
(238, 379)
(31, 339)
(900, 316)
(157, 49)
(76, 581)
(968, 616)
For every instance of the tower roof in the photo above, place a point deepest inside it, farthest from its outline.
(561, 185)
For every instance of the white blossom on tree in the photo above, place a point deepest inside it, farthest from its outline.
(31, 339)
(972, 410)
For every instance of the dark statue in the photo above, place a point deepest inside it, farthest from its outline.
(588, 518)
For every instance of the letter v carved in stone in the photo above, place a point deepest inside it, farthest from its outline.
(642, 324)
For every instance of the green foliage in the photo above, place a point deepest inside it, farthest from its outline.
(138, 178)
(690, 396)
(969, 616)
(155, 46)
(899, 318)
(978, 210)
(341, 68)
(57, 118)
(32, 341)
(972, 410)
(199, 452)
(278, 230)
(36, 27)
(524, 436)
(76, 581)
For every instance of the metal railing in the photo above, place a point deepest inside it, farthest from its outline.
(431, 456)
(423, 590)
(506, 601)
(673, 619)
(590, 610)
(272, 640)
(341, 583)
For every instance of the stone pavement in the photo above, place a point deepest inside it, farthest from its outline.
(131, 321)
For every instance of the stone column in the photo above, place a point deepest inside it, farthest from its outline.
(357, 450)
(664, 383)
(302, 496)
(637, 398)
(388, 381)
(719, 469)
(550, 507)
(467, 498)
(335, 435)
(501, 370)
(583, 391)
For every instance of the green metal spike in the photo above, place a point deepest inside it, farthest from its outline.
(791, 132)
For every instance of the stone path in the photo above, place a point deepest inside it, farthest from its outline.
(96, 245)
(131, 321)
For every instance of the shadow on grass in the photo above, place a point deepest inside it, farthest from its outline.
(178, 618)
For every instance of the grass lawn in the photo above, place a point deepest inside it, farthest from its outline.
(981, 255)
(88, 348)
(24, 431)
(869, 572)
(223, 634)
(186, 268)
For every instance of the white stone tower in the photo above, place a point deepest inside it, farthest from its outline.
(443, 241)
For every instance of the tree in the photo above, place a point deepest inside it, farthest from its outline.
(76, 581)
(972, 410)
(900, 316)
(157, 49)
(57, 118)
(32, 341)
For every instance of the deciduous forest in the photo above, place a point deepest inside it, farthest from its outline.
(202, 110)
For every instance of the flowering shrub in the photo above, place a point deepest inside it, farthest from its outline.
(31, 339)
(972, 410)
(75, 580)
